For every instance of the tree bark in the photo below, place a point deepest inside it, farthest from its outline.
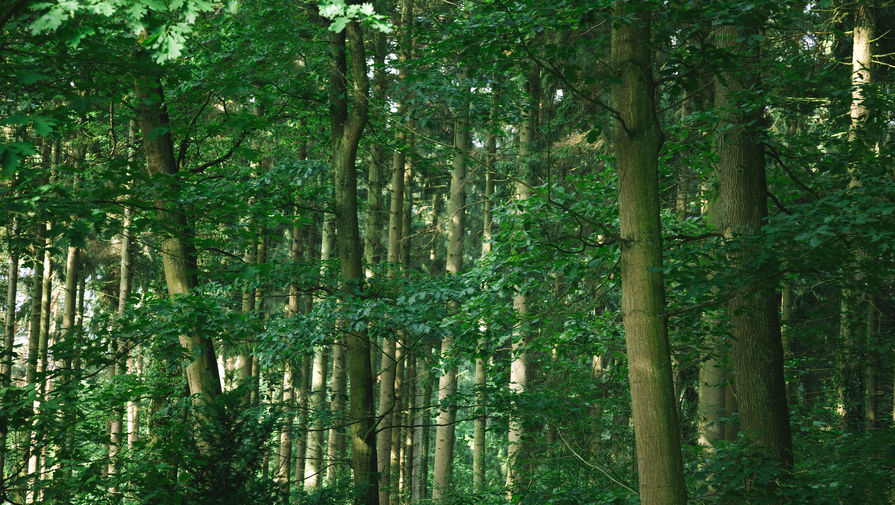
(637, 144)
(9, 330)
(447, 384)
(177, 254)
(378, 159)
(29, 437)
(481, 362)
(421, 428)
(757, 348)
(520, 367)
(346, 130)
(315, 469)
(850, 373)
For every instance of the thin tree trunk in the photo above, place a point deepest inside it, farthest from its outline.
(284, 451)
(421, 427)
(314, 470)
(244, 359)
(410, 406)
(850, 373)
(116, 426)
(301, 435)
(37, 282)
(387, 366)
(9, 330)
(397, 425)
(378, 159)
(637, 144)
(520, 367)
(447, 384)
(481, 362)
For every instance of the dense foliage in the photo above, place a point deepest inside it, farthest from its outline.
(97, 406)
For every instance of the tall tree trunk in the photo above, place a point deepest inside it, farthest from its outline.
(637, 144)
(421, 427)
(9, 331)
(244, 359)
(850, 364)
(520, 366)
(447, 384)
(389, 346)
(301, 436)
(177, 253)
(757, 349)
(346, 132)
(410, 406)
(481, 362)
(337, 442)
(378, 159)
(397, 423)
(284, 451)
(314, 470)
(37, 282)
(133, 363)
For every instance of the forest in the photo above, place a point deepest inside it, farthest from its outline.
(440, 252)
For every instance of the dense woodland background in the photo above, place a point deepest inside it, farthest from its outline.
(488, 251)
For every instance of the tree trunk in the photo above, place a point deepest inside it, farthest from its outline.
(37, 281)
(346, 131)
(447, 384)
(517, 457)
(850, 373)
(481, 362)
(244, 359)
(177, 254)
(397, 424)
(301, 437)
(410, 406)
(314, 470)
(757, 348)
(378, 159)
(637, 144)
(421, 427)
(284, 451)
(9, 330)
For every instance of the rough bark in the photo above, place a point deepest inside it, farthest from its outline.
(637, 144)
(757, 349)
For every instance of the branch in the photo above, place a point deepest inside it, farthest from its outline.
(613, 478)
(186, 138)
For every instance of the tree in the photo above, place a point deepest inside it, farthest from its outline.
(637, 143)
